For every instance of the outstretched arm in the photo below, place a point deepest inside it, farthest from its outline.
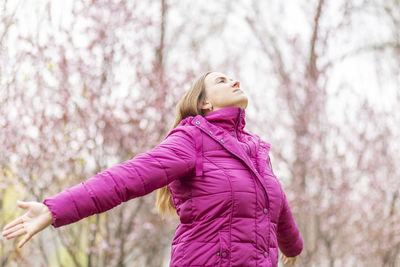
(171, 159)
(288, 234)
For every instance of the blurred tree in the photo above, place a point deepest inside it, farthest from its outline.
(85, 85)
(324, 178)
(94, 90)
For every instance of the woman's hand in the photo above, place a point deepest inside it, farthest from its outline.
(286, 260)
(36, 219)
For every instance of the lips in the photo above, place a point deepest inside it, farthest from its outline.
(237, 89)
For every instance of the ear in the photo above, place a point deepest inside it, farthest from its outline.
(206, 105)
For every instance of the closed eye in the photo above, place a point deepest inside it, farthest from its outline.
(222, 79)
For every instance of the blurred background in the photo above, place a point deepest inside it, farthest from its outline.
(85, 85)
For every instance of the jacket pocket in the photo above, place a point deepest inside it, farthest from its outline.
(223, 252)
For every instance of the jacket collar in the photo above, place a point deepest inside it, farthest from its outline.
(229, 119)
(221, 122)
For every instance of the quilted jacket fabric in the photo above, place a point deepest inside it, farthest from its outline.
(231, 206)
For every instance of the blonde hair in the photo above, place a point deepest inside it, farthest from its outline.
(188, 105)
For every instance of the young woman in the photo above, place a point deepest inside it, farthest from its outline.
(208, 170)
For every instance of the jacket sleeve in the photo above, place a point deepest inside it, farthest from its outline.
(288, 234)
(172, 159)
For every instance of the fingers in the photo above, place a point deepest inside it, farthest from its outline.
(9, 231)
(288, 260)
(284, 259)
(13, 223)
(16, 227)
(24, 240)
(22, 204)
(16, 233)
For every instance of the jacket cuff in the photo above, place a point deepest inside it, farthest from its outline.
(296, 249)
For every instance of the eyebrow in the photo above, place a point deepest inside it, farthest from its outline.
(220, 78)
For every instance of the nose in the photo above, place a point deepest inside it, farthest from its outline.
(236, 84)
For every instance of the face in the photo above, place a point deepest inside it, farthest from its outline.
(222, 92)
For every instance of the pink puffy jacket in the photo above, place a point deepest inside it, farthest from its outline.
(232, 209)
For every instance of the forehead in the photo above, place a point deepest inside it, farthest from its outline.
(210, 78)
